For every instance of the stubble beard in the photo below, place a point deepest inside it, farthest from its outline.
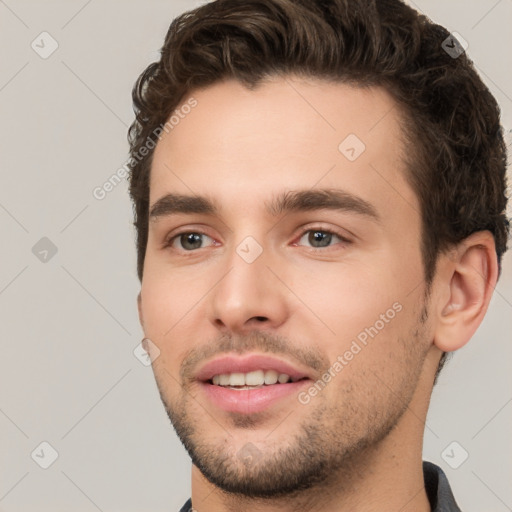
(332, 445)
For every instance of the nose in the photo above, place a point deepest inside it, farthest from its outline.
(248, 296)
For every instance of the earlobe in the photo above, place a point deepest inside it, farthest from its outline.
(469, 279)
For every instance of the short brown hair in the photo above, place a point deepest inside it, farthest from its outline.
(457, 159)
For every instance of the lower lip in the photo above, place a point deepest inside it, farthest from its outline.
(248, 401)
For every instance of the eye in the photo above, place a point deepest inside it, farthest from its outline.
(189, 241)
(319, 238)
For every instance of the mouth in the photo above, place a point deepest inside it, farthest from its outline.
(250, 384)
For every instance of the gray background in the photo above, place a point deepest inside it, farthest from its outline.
(69, 326)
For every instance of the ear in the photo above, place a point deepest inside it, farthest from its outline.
(467, 278)
(139, 307)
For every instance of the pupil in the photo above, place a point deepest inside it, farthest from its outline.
(320, 238)
(191, 241)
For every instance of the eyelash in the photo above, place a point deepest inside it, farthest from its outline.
(168, 243)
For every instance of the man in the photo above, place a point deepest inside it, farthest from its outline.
(319, 192)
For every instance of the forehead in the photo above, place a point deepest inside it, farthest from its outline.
(286, 133)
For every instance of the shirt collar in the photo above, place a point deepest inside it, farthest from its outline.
(438, 489)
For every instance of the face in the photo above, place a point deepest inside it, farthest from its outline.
(284, 241)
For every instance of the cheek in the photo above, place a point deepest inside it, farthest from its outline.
(168, 295)
(165, 318)
(349, 298)
(172, 304)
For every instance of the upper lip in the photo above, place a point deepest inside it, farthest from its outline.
(248, 363)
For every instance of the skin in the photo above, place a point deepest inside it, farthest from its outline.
(357, 444)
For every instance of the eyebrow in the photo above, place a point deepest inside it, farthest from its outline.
(285, 202)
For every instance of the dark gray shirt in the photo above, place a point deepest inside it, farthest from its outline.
(436, 484)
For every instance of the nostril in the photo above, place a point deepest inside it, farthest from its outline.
(261, 318)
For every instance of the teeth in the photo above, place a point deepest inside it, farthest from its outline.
(237, 379)
(254, 378)
(271, 377)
